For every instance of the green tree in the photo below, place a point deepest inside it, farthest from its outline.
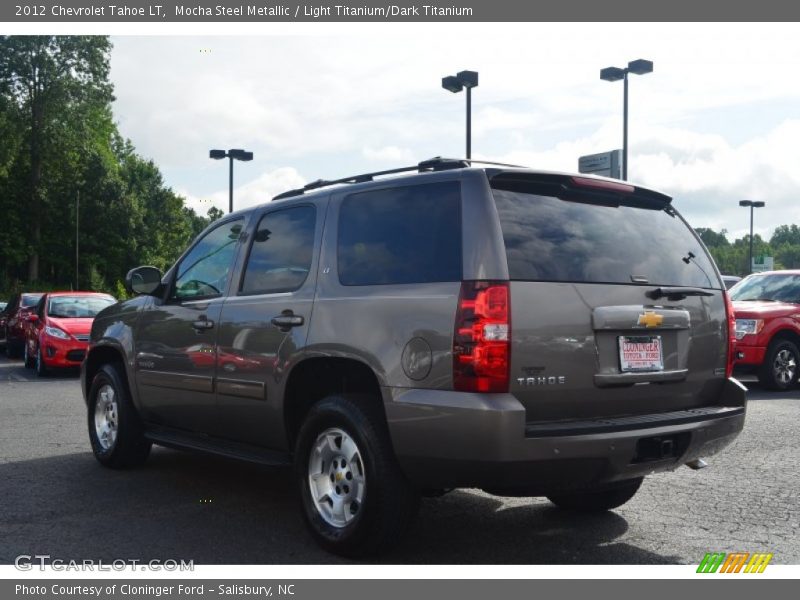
(56, 83)
(711, 238)
(785, 235)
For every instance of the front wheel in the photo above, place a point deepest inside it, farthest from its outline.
(355, 498)
(115, 430)
(598, 499)
(779, 370)
(41, 368)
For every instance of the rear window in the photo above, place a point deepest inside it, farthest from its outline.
(29, 300)
(401, 235)
(550, 239)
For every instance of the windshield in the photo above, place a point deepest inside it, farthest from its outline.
(77, 307)
(779, 288)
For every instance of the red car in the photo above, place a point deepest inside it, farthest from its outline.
(767, 307)
(13, 320)
(58, 330)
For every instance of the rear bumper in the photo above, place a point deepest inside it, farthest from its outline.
(450, 439)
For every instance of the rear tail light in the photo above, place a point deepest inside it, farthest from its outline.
(731, 335)
(482, 338)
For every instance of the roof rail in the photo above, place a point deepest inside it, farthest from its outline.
(436, 163)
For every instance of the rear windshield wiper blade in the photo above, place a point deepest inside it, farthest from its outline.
(677, 293)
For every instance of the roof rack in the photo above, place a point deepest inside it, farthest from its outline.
(432, 164)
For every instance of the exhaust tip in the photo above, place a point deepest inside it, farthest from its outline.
(697, 464)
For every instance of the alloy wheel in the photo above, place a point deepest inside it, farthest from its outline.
(784, 367)
(336, 477)
(105, 417)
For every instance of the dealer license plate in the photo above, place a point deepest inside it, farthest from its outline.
(640, 353)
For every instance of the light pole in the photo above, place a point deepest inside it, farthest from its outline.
(752, 204)
(233, 153)
(455, 83)
(638, 67)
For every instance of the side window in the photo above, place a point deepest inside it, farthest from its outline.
(280, 256)
(204, 272)
(402, 235)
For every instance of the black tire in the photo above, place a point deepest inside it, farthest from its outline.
(780, 367)
(130, 448)
(13, 349)
(41, 368)
(598, 499)
(390, 502)
(27, 359)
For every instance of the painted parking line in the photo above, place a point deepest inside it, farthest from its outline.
(18, 377)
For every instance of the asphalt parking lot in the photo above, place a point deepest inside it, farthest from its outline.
(55, 499)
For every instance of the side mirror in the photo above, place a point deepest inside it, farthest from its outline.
(143, 281)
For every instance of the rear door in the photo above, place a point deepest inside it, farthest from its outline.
(617, 308)
(265, 321)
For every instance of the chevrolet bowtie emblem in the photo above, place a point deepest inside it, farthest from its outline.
(650, 319)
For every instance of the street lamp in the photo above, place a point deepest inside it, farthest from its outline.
(232, 154)
(637, 67)
(455, 83)
(752, 204)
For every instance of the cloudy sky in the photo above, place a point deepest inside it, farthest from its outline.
(717, 121)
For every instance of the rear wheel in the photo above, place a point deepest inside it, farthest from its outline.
(779, 369)
(599, 499)
(115, 430)
(27, 358)
(355, 498)
(12, 347)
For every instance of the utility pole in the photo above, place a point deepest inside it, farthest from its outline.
(77, 241)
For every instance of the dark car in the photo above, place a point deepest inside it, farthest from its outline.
(528, 333)
(730, 280)
(13, 322)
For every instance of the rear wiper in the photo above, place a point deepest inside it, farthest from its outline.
(677, 293)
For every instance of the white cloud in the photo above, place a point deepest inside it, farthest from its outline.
(388, 154)
(703, 126)
(252, 193)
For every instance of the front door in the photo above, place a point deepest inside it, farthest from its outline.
(177, 336)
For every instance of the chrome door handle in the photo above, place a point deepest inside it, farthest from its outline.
(286, 320)
(202, 324)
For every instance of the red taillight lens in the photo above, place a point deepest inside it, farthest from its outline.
(731, 335)
(482, 338)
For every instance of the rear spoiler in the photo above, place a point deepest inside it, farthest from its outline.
(579, 188)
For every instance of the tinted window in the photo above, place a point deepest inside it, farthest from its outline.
(781, 288)
(29, 300)
(205, 270)
(402, 235)
(549, 239)
(77, 307)
(280, 256)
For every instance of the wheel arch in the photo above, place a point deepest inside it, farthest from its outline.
(103, 354)
(318, 377)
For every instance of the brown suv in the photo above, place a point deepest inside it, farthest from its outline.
(523, 332)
